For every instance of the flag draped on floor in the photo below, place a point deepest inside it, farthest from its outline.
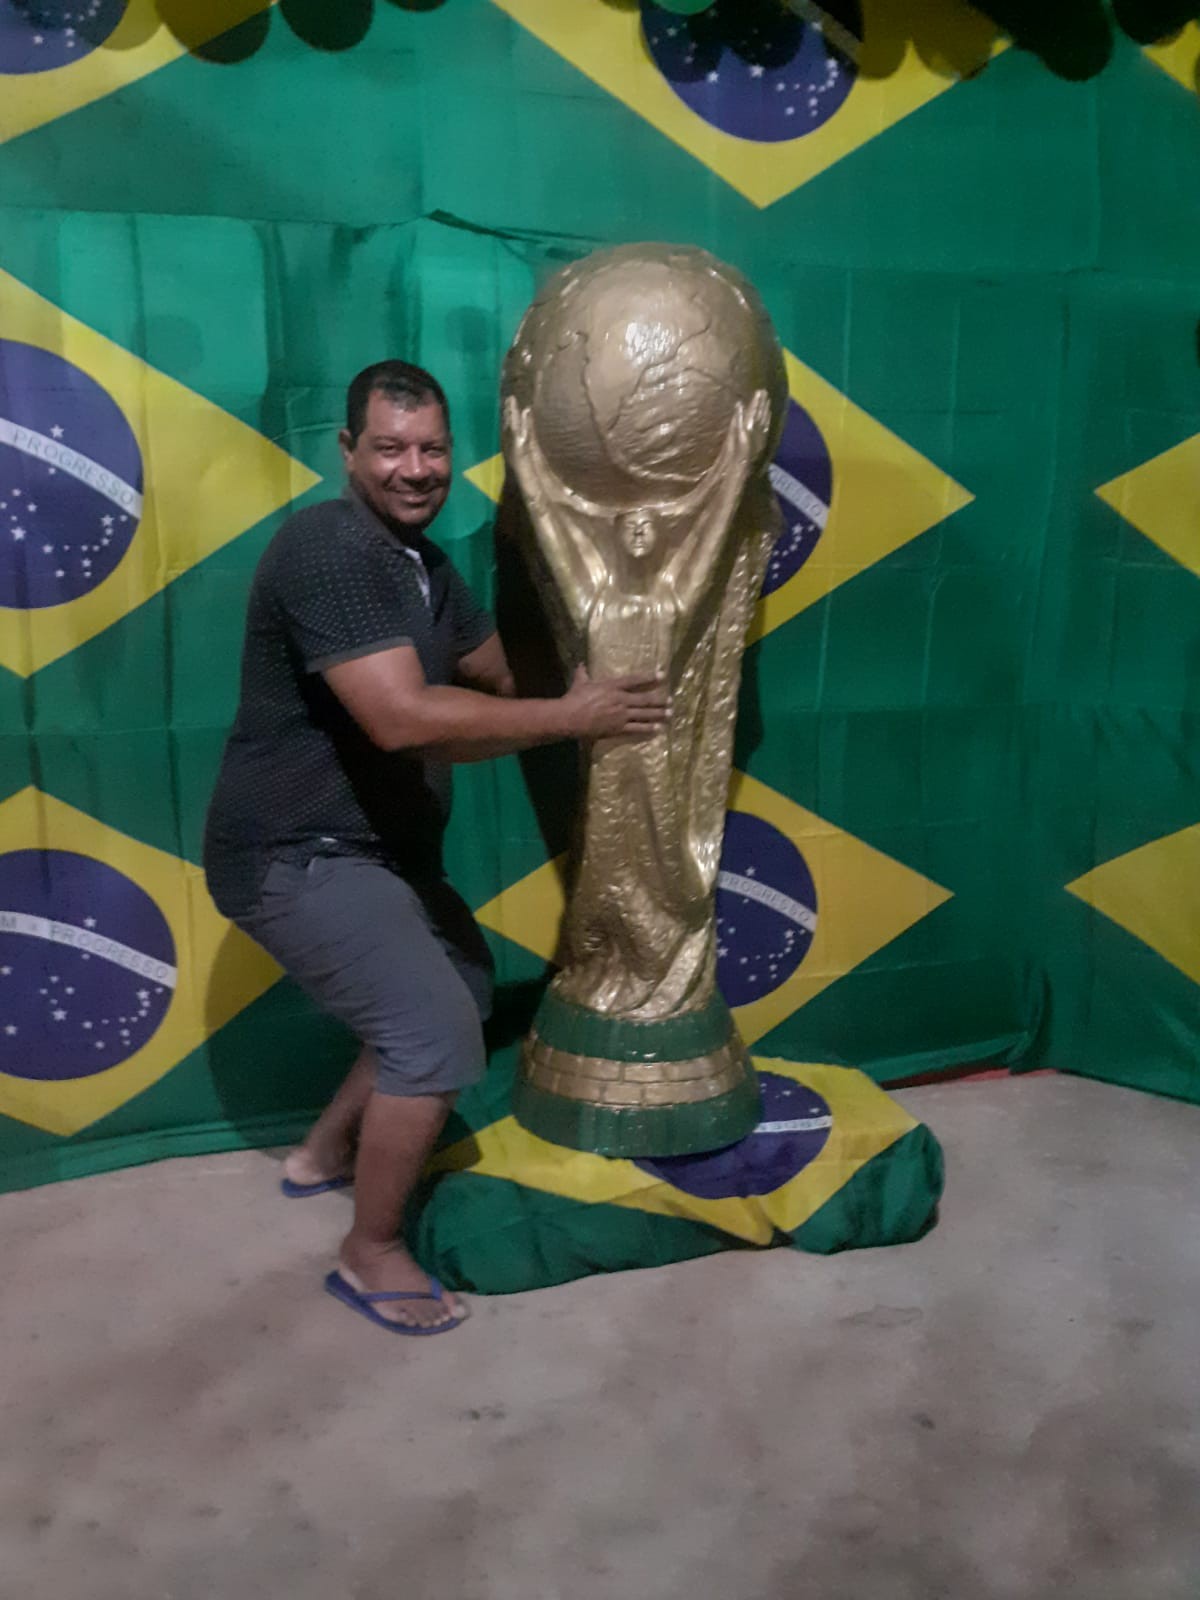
(834, 1164)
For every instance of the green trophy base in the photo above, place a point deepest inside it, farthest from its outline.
(618, 1087)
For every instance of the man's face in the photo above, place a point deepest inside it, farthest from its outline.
(400, 462)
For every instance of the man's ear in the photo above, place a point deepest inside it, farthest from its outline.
(346, 444)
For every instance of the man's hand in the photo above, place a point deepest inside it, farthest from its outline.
(636, 707)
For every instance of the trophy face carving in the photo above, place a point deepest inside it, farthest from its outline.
(642, 400)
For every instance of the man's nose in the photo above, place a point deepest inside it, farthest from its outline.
(413, 464)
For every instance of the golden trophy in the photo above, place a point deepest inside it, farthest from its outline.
(643, 397)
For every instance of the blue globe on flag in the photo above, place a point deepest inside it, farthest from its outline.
(792, 1132)
(87, 965)
(752, 68)
(43, 35)
(766, 909)
(71, 479)
(802, 478)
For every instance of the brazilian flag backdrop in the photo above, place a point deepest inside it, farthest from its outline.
(965, 822)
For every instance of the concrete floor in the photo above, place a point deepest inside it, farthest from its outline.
(1008, 1410)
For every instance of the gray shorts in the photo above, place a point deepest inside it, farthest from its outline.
(406, 968)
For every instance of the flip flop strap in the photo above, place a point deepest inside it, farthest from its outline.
(403, 1294)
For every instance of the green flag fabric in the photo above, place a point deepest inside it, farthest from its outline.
(965, 823)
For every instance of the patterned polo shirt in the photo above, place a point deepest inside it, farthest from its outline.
(299, 776)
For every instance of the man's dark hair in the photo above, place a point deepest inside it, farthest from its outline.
(409, 386)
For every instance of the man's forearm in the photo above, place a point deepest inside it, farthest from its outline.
(452, 724)
(465, 750)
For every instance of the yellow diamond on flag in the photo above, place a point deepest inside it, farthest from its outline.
(752, 90)
(1153, 892)
(51, 67)
(800, 903)
(1180, 56)
(850, 491)
(1161, 498)
(487, 476)
(860, 1122)
(114, 965)
(114, 480)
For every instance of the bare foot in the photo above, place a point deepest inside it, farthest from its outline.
(395, 1270)
(306, 1166)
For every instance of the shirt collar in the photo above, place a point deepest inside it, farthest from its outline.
(376, 525)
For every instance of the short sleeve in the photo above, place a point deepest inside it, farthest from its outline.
(470, 622)
(341, 598)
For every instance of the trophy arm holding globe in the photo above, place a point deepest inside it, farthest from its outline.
(573, 559)
(705, 517)
(672, 547)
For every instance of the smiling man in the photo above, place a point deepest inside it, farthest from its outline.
(368, 669)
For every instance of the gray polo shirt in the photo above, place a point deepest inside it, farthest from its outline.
(299, 776)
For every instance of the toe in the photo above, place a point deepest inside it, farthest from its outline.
(433, 1315)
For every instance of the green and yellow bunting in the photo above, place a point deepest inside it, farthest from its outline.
(66, 68)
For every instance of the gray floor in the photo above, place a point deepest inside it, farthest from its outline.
(1007, 1409)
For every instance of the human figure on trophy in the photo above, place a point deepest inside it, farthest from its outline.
(642, 399)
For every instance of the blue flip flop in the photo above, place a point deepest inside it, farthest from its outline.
(301, 1191)
(365, 1304)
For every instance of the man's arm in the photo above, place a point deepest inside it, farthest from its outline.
(486, 668)
(387, 695)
